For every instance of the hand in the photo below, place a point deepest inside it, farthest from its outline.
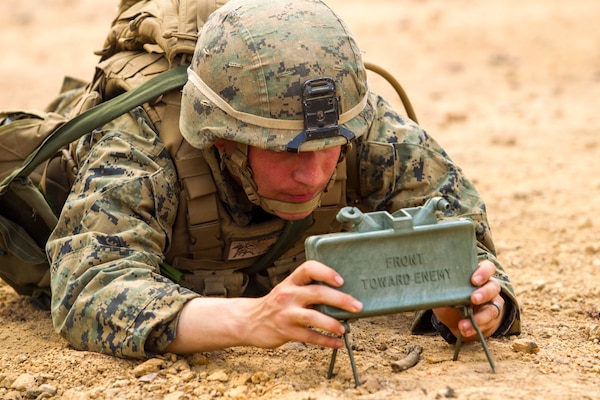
(487, 316)
(283, 315)
(286, 313)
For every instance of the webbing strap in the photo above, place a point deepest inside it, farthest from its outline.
(264, 122)
(98, 116)
(292, 232)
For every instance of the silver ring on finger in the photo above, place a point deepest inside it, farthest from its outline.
(497, 305)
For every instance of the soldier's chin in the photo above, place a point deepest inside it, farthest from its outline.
(292, 217)
(288, 210)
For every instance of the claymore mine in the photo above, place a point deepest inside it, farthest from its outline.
(405, 261)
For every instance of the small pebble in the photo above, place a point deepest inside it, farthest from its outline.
(149, 366)
(528, 346)
(219, 376)
(24, 382)
(593, 332)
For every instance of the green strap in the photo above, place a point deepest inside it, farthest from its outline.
(98, 116)
(111, 109)
(292, 232)
(171, 272)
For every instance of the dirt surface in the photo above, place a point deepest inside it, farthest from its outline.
(508, 87)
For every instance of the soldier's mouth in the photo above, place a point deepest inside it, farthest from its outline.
(300, 198)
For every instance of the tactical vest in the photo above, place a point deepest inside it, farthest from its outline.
(207, 245)
(148, 38)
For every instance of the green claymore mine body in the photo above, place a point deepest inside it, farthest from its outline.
(405, 261)
(399, 262)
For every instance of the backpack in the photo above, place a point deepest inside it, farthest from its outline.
(28, 214)
(36, 167)
(149, 45)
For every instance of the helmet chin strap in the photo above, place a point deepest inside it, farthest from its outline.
(237, 165)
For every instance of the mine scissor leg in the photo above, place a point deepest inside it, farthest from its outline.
(467, 312)
(350, 354)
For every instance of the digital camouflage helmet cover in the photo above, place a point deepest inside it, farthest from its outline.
(270, 74)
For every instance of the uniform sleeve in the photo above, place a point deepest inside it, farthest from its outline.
(107, 291)
(401, 166)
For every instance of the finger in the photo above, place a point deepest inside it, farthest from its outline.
(314, 319)
(312, 270)
(312, 336)
(487, 317)
(490, 311)
(290, 293)
(486, 293)
(311, 326)
(483, 273)
(497, 308)
(322, 294)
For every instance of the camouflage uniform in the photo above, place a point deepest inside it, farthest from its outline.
(117, 225)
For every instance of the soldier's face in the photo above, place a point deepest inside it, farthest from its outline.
(292, 177)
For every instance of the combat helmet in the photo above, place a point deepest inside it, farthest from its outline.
(283, 75)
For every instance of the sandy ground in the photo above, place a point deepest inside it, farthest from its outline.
(508, 87)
